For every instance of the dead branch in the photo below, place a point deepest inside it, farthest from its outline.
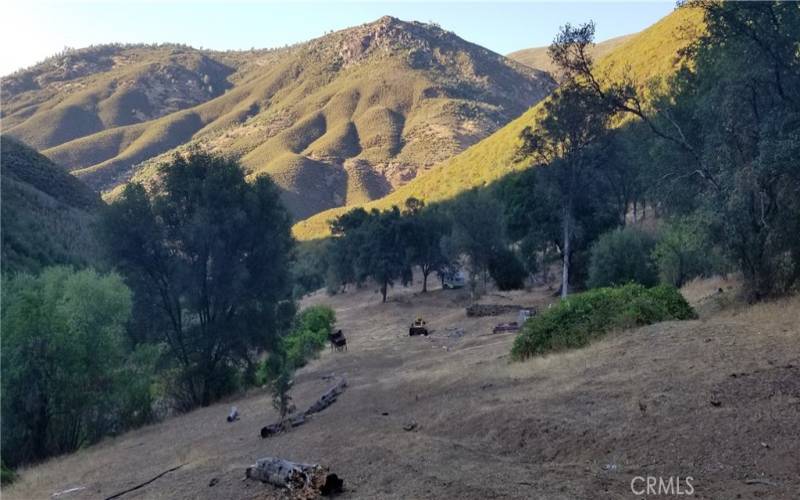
(142, 485)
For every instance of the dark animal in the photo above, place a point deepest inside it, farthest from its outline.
(338, 341)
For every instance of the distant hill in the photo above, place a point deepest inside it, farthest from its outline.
(538, 58)
(652, 53)
(342, 119)
(47, 214)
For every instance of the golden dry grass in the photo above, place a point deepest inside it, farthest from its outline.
(576, 424)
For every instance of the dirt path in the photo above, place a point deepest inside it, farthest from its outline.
(717, 399)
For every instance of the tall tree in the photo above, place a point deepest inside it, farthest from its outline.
(725, 131)
(382, 252)
(213, 251)
(423, 232)
(478, 233)
(370, 245)
(569, 140)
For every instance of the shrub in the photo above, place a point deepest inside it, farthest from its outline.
(621, 256)
(507, 271)
(7, 476)
(684, 252)
(575, 321)
(307, 337)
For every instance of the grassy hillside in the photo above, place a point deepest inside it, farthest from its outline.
(86, 91)
(341, 119)
(538, 58)
(47, 214)
(649, 54)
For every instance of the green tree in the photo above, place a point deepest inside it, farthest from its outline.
(423, 233)
(684, 251)
(507, 271)
(213, 252)
(478, 232)
(66, 373)
(382, 252)
(369, 245)
(569, 141)
(621, 256)
(342, 252)
(725, 134)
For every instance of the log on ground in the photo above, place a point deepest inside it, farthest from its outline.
(308, 480)
(324, 401)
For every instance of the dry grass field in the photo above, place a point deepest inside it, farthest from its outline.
(717, 399)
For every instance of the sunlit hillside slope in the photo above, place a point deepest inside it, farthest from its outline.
(649, 54)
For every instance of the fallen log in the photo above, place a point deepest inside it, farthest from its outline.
(309, 480)
(327, 399)
(324, 401)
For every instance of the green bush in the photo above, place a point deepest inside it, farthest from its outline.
(685, 252)
(507, 271)
(307, 337)
(622, 256)
(7, 476)
(67, 377)
(575, 321)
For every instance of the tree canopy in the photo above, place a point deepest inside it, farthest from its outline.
(212, 251)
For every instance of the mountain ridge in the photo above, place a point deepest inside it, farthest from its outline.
(538, 58)
(343, 118)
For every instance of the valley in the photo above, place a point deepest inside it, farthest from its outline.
(320, 252)
(578, 424)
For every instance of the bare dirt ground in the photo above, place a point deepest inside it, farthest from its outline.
(717, 399)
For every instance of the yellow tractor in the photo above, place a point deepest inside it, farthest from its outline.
(418, 328)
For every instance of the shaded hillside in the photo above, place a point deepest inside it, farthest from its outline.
(538, 58)
(47, 214)
(653, 53)
(341, 119)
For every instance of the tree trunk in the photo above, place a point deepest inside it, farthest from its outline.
(634, 211)
(309, 478)
(383, 292)
(206, 398)
(40, 425)
(566, 247)
(425, 274)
